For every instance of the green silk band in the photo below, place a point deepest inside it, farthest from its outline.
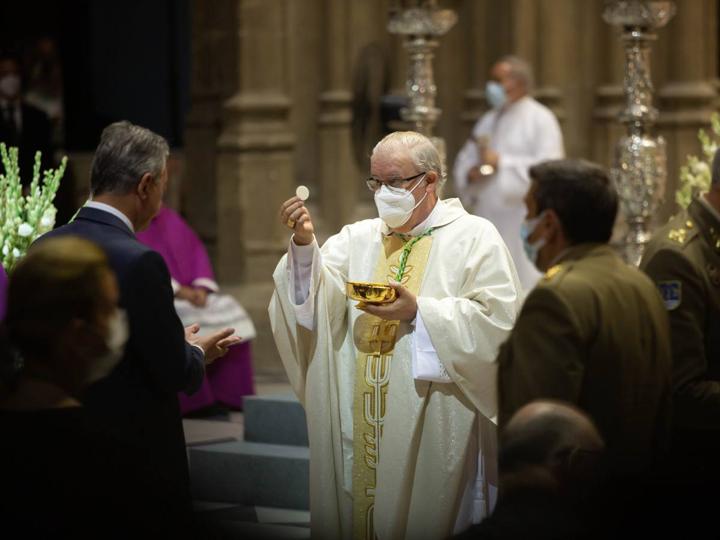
(407, 248)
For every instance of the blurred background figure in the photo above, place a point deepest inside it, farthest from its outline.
(31, 116)
(491, 168)
(62, 475)
(197, 300)
(22, 124)
(549, 462)
(45, 84)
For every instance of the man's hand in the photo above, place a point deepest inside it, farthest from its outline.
(489, 157)
(403, 308)
(215, 345)
(295, 215)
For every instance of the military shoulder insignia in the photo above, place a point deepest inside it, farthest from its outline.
(552, 271)
(671, 292)
(677, 235)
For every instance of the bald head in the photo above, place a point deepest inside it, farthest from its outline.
(546, 434)
(515, 75)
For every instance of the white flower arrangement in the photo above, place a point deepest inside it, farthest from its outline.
(695, 175)
(25, 217)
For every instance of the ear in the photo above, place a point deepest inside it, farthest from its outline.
(431, 179)
(552, 222)
(143, 187)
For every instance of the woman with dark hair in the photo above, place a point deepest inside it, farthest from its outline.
(60, 475)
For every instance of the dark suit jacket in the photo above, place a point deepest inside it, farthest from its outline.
(138, 400)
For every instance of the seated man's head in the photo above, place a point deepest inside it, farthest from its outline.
(62, 314)
(569, 202)
(549, 445)
(511, 78)
(129, 171)
(406, 177)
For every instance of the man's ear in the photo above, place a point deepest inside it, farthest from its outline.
(431, 178)
(143, 186)
(552, 222)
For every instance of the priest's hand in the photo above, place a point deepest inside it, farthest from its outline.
(403, 308)
(295, 215)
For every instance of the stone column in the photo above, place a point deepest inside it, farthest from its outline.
(213, 66)
(255, 147)
(689, 94)
(339, 177)
(554, 56)
(609, 96)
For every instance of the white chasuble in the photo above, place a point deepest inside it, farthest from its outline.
(430, 433)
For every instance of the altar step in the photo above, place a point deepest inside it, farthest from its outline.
(269, 468)
(219, 521)
(276, 419)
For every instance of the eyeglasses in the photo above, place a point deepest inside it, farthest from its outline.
(374, 184)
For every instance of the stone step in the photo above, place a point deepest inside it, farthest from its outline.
(275, 419)
(260, 531)
(250, 473)
(224, 520)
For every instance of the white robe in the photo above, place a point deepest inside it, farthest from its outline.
(523, 134)
(468, 302)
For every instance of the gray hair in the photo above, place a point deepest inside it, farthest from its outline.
(422, 151)
(716, 169)
(520, 70)
(126, 152)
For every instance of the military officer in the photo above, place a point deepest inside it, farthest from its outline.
(683, 258)
(594, 331)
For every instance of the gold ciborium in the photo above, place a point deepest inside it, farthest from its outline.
(370, 293)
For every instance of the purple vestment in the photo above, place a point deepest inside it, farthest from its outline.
(228, 378)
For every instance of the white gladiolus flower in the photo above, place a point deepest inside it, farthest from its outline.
(16, 252)
(25, 230)
(47, 221)
(702, 168)
(5, 250)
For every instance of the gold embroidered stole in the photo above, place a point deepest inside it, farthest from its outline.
(375, 342)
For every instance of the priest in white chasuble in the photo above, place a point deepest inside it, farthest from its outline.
(400, 397)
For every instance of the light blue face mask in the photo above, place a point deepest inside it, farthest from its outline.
(526, 230)
(495, 94)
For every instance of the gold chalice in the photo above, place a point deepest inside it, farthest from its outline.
(370, 293)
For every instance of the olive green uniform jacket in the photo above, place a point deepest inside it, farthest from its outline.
(683, 258)
(594, 332)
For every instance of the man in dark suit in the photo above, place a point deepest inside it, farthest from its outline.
(138, 400)
(594, 331)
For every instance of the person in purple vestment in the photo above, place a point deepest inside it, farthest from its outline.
(3, 292)
(197, 300)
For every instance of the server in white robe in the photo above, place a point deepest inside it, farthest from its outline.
(491, 169)
(400, 398)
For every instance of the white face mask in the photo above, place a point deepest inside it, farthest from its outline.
(10, 85)
(395, 207)
(115, 344)
(526, 230)
(495, 94)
